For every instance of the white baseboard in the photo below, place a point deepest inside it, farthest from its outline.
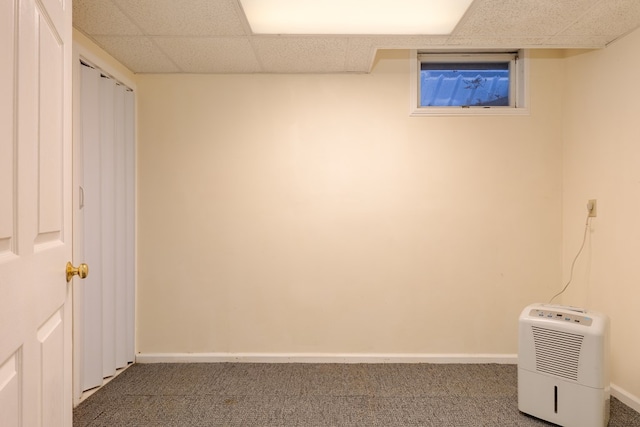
(625, 397)
(324, 358)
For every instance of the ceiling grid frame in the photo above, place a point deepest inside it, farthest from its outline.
(214, 36)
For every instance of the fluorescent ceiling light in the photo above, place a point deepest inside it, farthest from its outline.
(354, 16)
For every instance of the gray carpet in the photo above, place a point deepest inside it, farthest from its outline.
(241, 394)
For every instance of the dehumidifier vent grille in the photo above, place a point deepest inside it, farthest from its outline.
(557, 352)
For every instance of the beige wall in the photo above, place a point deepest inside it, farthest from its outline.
(602, 161)
(310, 213)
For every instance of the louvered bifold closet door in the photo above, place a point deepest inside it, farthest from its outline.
(107, 179)
(108, 141)
(130, 219)
(91, 212)
(120, 236)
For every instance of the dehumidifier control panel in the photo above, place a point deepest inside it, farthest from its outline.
(561, 316)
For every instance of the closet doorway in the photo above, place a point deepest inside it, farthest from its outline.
(104, 227)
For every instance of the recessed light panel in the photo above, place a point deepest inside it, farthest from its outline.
(354, 16)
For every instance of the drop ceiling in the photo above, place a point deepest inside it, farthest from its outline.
(213, 36)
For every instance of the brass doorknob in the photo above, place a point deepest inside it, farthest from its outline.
(81, 271)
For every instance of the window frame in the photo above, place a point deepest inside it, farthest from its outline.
(518, 81)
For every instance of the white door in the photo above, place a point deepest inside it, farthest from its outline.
(35, 212)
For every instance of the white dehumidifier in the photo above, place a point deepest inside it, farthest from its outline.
(563, 365)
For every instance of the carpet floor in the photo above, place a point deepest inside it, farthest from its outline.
(245, 394)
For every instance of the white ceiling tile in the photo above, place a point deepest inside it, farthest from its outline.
(139, 54)
(519, 18)
(584, 42)
(410, 42)
(102, 18)
(301, 54)
(610, 18)
(210, 54)
(489, 42)
(185, 18)
(213, 36)
(360, 55)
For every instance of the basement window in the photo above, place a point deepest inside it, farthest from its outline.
(468, 83)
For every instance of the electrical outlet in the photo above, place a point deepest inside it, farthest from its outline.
(592, 207)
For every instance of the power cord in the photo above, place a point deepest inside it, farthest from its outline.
(584, 240)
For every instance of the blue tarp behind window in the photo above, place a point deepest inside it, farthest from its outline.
(464, 84)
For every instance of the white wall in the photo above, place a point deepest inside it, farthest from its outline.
(310, 214)
(602, 161)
